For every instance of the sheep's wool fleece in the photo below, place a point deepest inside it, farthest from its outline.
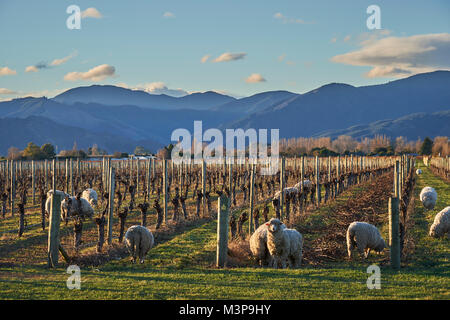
(85, 209)
(258, 242)
(428, 196)
(90, 195)
(139, 237)
(441, 224)
(365, 235)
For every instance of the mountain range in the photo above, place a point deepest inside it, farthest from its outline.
(119, 119)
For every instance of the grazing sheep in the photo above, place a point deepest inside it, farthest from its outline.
(258, 245)
(296, 248)
(365, 237)
(441, 224)
(139, 240)
(419, 171)
(91, 196)
(428, 196)
(278, 243)
(49, 200)
(286, 191)
(75, 207)
(307, 185)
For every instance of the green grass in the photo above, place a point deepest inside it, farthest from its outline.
(182, 268)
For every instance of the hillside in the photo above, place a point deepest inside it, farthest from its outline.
(41, 130)
(412, 127)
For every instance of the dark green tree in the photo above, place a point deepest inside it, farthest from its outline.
(427, 147)
(48, 151)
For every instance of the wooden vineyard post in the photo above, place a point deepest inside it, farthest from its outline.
(338, 174)
(317, 180)
(396, 179)
(282, 186)
(67, 176)
(230, 181)
(137, 176)
(203, 187)
(394, 235)
(111, 203)
(45, 175)
(53, 230)
(222, 230)
(71, 176)
(252, 187)
(165, 190)
(54, 175)
(33, 182)
(13, 185)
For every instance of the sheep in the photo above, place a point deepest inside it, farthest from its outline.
(286, 191)
(91, 196)
(258, 245)
(419, 171)
(441, 224)
(278, 244)
(428, 196)
(307, 185)
(49, 200)
(139, 240)
(283, 245)
(366, 237)
(75, 207)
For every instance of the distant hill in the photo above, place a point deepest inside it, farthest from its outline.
(116, 96)
(412, 127)
(336, 106)
(41, 130)
(256, 102)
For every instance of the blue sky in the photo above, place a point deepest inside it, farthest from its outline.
(155, 45)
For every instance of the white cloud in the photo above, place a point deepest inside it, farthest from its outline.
(286, 19)
(168, 15)
(58, 62)
(401, 56)
(91, 13)
(160, 88)
(227, 56)
(5, 71)
(7, 91)
(347, 38)
(255, 78)
(281, 58)
(97, 73)
(333, 40)
(31, 69)
(205, 58)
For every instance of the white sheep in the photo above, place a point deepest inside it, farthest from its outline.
(91, 196)
(284, 245)
(49, 200)
(75, 207)
(307, 185)
(286, 191)
(278, 243)
(428, 196)
(139, 240)
(258, 245)
(419, 171)
(365, 237)
(441, 224)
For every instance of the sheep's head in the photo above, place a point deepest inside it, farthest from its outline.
(274, 225)
(65, 207)
(381, 245)
(428, 202)
(435, 231)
